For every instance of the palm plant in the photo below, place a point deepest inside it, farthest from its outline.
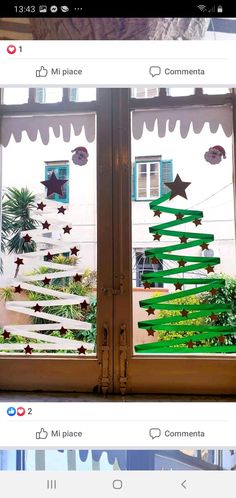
(16, 208)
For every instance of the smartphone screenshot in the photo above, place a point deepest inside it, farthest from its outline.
(117, 250)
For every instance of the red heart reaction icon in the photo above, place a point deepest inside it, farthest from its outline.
(20, 411)
(11, 49)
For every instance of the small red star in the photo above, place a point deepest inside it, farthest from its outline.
(197, 222)
(46, 225)
(27, 238)
(28, 349)
(221, 339)
(61, 210)
(204, 246)
(154, 260)
(41, 206)
(19, 261)
(179, 216)
(190, 344)
(183, 239)
(84, 305)
(157, 213)
(82, 350)
(49, 256)
(213, 317)
(213, 292)
(67, 229)
(209, 269)
(181, 262)
(37, 308)
(6, 334)
(18, 289)
(147, 285)
(178, 286)
(46, 281)
(184, 313)
(156, 236)
(151, 332)
(74, 250)
(150, 311)
(77, 277)
(63, 331)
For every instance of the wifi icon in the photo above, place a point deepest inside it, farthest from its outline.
(202, 8)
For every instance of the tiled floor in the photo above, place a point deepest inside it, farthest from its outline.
(83, 397)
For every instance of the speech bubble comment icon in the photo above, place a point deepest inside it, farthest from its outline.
(154, 432)
(154, 71)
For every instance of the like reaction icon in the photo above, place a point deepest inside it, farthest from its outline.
(42, 434)
(20, 411)
(42, 72)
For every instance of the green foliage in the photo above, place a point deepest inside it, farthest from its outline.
(169, 334)
(225, 295)
(6, 294)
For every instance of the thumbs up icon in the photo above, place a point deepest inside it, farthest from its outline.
(42, 434)
(42, 72)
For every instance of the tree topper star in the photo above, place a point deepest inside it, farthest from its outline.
(178, 187)
(54, 185)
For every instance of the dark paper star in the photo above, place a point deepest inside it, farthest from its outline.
(221, 339)
(67, 229)
(150, 311)
(84, 305)
(157, 213)
(27, 238)
(190, 344)
(213, 317)
(213, 292)
(197, 222)
(156, 236)
(179, 216)
(183, 239)
(61, 210)
(6, 334)
(178, 286)
(204, 246)
(37, 308)
(46, 281)
(178, 187)
(28, 349)
(54, 185)
(74, 251)
(19, 261)
(49, 256)
(82, 350)
(63, 330)
(147, 285)
(184, 313)
(77, 277)
(41, 206)
(154, 261)
(18, 289)
(181, 262)
(151, 332)
(46, 225)
(209, 269)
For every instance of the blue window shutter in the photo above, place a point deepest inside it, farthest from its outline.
(61, 172)
(40, 96)
(73, 94)
(166, 175)
(134, 182)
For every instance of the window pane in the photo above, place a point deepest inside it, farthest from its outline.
(53, 95)
(49, 240)
(11, 96)
(192, 134)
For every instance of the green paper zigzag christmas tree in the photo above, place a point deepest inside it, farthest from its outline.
(191, 342)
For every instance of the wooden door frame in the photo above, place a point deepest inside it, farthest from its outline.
(185, 374)
(61, 373)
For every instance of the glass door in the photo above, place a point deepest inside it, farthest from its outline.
(179, 230)
(53, 335)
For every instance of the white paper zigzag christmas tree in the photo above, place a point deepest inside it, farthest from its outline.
(51, 224)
